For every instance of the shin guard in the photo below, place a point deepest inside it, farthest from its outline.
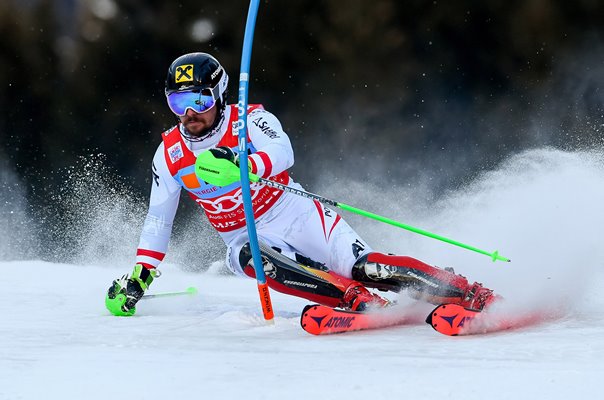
(315, 283)
(389, 272)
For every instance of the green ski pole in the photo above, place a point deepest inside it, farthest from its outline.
(494, 255)
(222, 172)
(190, 291)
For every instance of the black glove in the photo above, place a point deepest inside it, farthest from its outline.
(226, 153)
(123, 295)
(125, 292)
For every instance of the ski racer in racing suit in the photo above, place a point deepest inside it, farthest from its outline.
(308, 250)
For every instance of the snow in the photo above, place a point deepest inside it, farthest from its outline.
(543, 208)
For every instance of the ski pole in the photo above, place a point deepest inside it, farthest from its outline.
(190, 291)
(222, 172)
(246, 195)
(254, 178)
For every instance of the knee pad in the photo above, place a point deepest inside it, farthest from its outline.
(390, 272)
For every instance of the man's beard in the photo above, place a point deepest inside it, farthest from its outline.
(204, 133)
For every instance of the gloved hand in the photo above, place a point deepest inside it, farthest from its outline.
(226, 153)
(215, 166)
(126, 291)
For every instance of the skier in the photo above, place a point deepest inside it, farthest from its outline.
(308, 250)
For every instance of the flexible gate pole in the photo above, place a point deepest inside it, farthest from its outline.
(244, 77)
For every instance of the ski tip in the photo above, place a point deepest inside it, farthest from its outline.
(308, 307)
(429, 319)
(450, 319)
(305, 319)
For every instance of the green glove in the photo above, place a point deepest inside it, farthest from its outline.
(220, 167)
(125, 292)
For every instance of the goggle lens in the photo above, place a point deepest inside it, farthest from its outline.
(198, 101)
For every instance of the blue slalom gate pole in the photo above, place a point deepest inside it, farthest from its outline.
(244, 77)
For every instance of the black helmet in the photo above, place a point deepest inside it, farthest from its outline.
(198, 71)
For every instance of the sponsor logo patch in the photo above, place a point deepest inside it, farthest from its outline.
(340, 322)
(215, 73)
(302, 284)
(265, 128)
(184, 73)
(175, 152)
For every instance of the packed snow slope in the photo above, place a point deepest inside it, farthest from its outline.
(542, 209)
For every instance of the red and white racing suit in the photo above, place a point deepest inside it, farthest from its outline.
(293, 224)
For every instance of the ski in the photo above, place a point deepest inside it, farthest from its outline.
(455, 320)
(448, 319)
(323, 320)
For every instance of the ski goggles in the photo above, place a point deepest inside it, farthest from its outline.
(197, 100)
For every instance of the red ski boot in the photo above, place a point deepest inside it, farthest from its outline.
(478, 297)
(358, 298)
